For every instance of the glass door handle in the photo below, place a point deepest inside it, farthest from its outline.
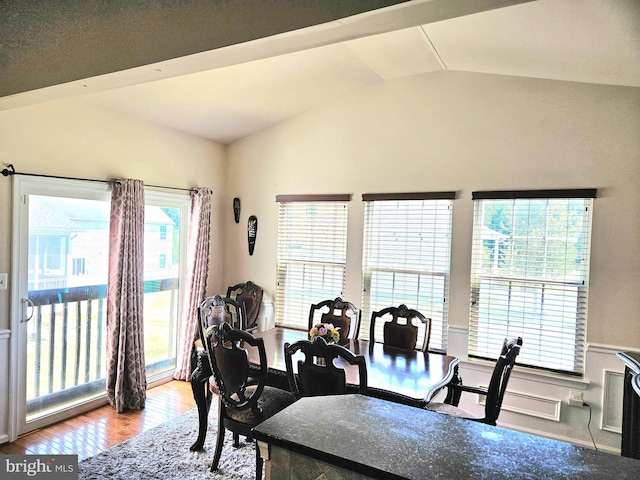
(28, 303)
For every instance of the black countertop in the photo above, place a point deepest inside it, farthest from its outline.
(392, 441)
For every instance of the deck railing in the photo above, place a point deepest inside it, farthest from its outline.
(67, 341)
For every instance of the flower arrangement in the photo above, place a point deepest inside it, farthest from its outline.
(327, 331)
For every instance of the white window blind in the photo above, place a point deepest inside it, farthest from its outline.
(529, 276)
(312, 251)
(406, 257)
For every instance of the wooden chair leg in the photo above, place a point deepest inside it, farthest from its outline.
(203, 421)
(236, 440)
(220, 440)
(454, 394)
(202, 396)
(218, 453)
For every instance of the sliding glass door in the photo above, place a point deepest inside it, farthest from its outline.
(61, 252)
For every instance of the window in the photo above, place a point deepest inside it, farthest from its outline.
(78, 266)
(312, 251)
(164, 268)
(406, 257)
(529, 275)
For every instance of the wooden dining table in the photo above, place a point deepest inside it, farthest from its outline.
(409, 377)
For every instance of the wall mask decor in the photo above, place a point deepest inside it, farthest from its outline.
(236, 209)
(252, 231)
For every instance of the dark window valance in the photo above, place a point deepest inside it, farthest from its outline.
(574, 193)
(372, 197)
(337, 197)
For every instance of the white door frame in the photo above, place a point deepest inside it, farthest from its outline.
(22, 188)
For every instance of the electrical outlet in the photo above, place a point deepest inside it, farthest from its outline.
(576, 399)
(3, 281)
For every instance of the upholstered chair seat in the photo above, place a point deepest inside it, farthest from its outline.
(270, 402)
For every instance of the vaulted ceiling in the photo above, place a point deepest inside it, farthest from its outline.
(255, 79)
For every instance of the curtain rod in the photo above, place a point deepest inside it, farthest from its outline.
(11, 171)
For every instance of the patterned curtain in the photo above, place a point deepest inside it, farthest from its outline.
(126, 378)
(197, 276)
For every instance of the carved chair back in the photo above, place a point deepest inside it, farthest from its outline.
(216, 310)
(340, 313)
(250, 295)
(231, 369)
(500, 378)
(400, 334)
(317, 373)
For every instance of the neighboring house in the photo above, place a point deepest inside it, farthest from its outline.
(71, 241)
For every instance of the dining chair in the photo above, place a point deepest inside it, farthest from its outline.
(317, 373)
(212, 312)
(217, 309)
(494, 393)
(250, 295)
(400, 334)
(340, 313)
(244, 399)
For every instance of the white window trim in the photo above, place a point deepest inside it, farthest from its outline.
(439, 327)
(286, 309)
(581, 286)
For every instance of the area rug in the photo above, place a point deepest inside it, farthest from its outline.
(163, 453)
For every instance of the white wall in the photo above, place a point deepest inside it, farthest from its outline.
(441, 131)
(71, 138)
(77, 139)
(466, 132)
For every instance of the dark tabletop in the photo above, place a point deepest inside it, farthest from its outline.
(415, 375)
(387, 440)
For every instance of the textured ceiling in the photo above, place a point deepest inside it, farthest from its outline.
(229, 93)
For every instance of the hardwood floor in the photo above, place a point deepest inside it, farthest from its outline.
(95, 431)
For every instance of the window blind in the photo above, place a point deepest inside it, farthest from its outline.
(406, 258)
(312, 250)
(529, 278)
